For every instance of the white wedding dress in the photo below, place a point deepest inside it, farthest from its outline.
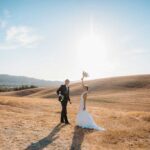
(84, 119)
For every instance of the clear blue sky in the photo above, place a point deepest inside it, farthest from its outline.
(58, 39)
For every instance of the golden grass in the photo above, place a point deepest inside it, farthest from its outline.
(32, 123)
(121, 105)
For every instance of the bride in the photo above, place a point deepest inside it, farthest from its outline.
(84, 119)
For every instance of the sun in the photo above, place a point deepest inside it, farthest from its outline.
(92, 50)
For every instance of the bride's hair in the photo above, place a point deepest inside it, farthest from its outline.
(86, 87)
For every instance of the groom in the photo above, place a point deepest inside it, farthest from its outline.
(63, 97)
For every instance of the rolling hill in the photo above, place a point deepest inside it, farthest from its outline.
(96, 87)
(29, 119)
(115, 91)
(13, 81)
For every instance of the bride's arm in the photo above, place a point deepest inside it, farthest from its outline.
(85, 98)
(82, 79)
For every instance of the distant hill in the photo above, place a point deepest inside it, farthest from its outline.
(13, 81)
(104, 86)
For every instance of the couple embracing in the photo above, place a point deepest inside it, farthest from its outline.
(84, 118)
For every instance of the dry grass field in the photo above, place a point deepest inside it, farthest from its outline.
(29, 119)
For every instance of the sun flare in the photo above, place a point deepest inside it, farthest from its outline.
(92, 51)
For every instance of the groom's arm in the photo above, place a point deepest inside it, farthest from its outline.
(69, 96)
(58, 92)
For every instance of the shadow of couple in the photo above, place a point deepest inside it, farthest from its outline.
(77, 139)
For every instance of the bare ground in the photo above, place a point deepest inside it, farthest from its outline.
(33, 123)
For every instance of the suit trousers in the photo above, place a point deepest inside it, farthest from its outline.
(64, 111)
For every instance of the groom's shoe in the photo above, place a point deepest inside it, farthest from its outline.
(67, 123)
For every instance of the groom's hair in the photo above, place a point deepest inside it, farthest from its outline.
(67, 80)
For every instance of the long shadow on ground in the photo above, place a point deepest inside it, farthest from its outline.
(78, 137)
(42, 143)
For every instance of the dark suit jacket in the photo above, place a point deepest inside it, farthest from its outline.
(64, 91)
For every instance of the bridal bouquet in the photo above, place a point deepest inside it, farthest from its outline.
(85, 74)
